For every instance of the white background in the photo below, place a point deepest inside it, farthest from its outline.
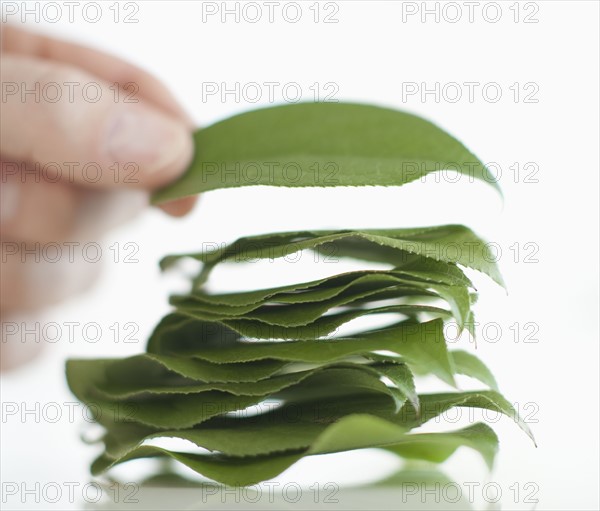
(369, 53)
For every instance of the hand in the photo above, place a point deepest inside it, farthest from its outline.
(84, 137)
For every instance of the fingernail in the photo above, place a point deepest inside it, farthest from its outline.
(9, 201)
(158, 144)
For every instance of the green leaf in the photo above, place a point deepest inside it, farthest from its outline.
(320, 376)
(272, 437)
(451, 244)
(422, 344)
(433, 405)
(322, 326)
(242, 472)
(319, 299)
(167, 374)
(469, 365)
(438, 447)
(299, 314)
(321, 144)
(185, 406)
(150, 368)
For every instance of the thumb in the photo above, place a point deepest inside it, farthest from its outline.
(66, 119)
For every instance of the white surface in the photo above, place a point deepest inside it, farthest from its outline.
(369, 53)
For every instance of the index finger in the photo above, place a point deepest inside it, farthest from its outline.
(107, 67)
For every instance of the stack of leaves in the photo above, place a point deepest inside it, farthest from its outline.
(259, 379)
